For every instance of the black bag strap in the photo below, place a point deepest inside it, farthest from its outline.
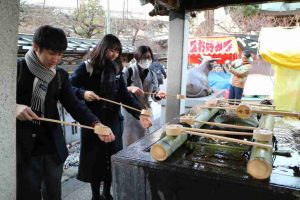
(20, 62)
(58, 78)
(130, 70)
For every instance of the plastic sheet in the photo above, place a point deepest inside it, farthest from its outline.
(281, 47)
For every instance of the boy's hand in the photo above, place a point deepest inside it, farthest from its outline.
(24, 113)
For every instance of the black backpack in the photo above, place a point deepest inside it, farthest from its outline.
(130, 70)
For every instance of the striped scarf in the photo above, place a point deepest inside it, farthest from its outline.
(43, 76)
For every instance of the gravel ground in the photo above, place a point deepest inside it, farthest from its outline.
(72, 162)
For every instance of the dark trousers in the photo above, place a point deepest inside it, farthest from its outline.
(39, 177)
(235, 92)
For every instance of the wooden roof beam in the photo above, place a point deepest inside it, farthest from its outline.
(169, 4)
(192, 5)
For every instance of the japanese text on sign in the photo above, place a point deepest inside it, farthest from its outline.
(213, 46)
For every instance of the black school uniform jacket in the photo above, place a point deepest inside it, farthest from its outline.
(59, 89)
(94, 154)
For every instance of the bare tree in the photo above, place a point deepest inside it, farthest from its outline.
(249, 18)
(89, 20)
(243, 19)
(33, 16)
(209, 22)
(206, 27)
(137, 31)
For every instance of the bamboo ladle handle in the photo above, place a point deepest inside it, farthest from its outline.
(177, 129)
(178, 96)
(239, 101)
(119, 103)
(192, 120)
(279, 113)
(96, 130)
(261, 105)
(143, 112)
(244, 111)
(231, 139)
(227, 125)
(65, 123)
(216, 131)
(219, 107)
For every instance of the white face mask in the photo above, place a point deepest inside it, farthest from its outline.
(145, 63)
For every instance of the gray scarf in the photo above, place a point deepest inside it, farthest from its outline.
(43, 76)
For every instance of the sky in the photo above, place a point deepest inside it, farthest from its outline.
(115, 5)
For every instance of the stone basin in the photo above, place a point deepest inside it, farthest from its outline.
(191, 174)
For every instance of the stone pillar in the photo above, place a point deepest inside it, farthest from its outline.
(177, 62)
(9, 20)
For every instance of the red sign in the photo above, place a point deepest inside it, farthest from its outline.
(225, 48)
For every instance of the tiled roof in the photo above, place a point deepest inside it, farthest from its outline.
(75, 45)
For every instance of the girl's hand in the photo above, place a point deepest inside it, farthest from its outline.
(145, 121)
(161, 95)
(90, 96)
(107, 138)
(135, 90)
(104, 133)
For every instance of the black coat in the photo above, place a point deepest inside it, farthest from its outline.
(95, 155)
(59, 89)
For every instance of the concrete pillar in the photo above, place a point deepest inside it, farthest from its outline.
(9, 21)
(177, 62)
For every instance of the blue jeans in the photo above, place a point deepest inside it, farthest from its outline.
(235, 92)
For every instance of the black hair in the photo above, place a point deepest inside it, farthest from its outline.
(247, 53)
(140, 51)
(98, 55)
(51, 38)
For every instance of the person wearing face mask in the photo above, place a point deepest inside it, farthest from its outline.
(140, 79)
(100, 76)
